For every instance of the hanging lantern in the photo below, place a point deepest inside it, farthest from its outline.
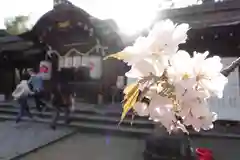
(45, 69)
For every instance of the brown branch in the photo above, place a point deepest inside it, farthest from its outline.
(229, 69)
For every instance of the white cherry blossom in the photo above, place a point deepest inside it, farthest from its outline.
(208, 73)
(204, 123)
(196, 113)
(145, 68)
(160, 110)
(178, 92)
(181, 66)
(162, 41)
(141, 109)
(166, 36)
(137, 52)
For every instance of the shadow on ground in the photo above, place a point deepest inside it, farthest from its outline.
(103, 147)
(17, 139)
(91, 147)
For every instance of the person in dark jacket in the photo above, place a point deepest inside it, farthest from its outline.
(61, 101)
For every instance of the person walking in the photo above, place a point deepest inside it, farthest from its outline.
(61, 101)
(36, 84)
(21, 94)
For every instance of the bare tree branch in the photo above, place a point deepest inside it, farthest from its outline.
(229, 69)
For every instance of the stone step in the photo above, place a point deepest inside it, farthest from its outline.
(90, 127)
(96, 118)
(111, 111)
(219, 131)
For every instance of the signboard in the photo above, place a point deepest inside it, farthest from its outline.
(95, 65)
(69, 62)
(45, 69)
(77, 61)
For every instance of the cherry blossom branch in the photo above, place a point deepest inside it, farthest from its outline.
(229, 69)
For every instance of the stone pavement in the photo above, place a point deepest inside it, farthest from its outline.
(84, 146)
(78, 106)
(17, 139)
(96, 146)
(105, 147)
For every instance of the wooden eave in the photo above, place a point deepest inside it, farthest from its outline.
(205, 15)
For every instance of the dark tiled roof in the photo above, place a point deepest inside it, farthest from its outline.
(9, 39)
(3, 33)
(205, 15)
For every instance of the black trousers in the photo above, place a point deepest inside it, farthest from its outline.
(56, 114)
(37, 98)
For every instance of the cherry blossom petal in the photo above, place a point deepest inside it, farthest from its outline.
(141, 109)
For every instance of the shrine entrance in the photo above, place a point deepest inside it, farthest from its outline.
(76, 43)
